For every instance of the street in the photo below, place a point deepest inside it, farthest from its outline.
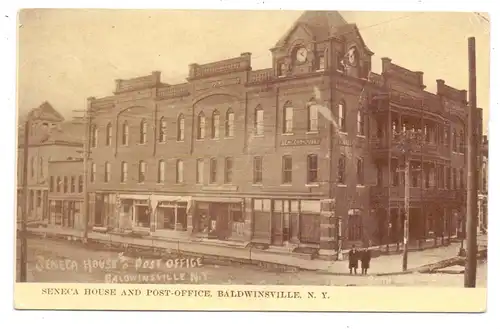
(61, 261)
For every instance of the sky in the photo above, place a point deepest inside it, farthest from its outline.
(67, 55)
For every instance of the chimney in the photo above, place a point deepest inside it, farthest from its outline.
(192, 70)
(420, 75)
(118, 83)
(156, 77)
(90, 100)
(440, 86)
(247, 57)
(463, 96)
(386, 63)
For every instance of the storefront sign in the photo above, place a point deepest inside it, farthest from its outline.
(301, 142)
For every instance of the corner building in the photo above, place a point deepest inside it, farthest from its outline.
(300, 154)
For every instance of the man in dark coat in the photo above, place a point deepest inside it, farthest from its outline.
(353, 260)
(366, 257)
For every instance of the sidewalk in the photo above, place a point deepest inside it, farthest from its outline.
(237, 252)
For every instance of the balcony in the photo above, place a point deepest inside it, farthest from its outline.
(382, 146)
(384, 194)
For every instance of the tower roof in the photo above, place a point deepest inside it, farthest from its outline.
(320, 23)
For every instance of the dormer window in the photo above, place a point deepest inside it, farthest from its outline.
(281, 69)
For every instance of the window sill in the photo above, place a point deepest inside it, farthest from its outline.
(341, 132)
(320, 70)
(258, 136)
(215, 138)
(312, 185)
(229, 137)
(162, 142)
(257, 184)
(361, 136)
(180, 141)
(286, 185)
(287, 134)
(360, 186)
(312, 132)
(200, 139)
(341, 185)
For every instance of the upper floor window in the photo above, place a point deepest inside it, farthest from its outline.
(199, 171)
(109, 134)
(361, 123)
(454, 141)
(143, 132)
(282, 68)
(259, 121)
(51, 184)
(125, 133)
(462, 142)
(40, 167)
(312, 116)
(341, 170)
(342, 117)
(321, 61)
(161, 172)
(180, 128)
(201, 126)
(228, 170)
(287, 169)
(213, 170)
(93, 135)
(215, 124)
(73, 184)
(142, 171)
(312, 168)
(257, 170)
(58, 184)
(446, 137)
(93, 172)
(107, 172)
(360, 173)
(32, 166)
(230, 123)
(80, 184)
(162, 134)
(65, 184)
(124, 172)
(288, 118)
(462, 181)
(179, 177)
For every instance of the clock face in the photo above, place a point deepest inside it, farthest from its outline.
(301, 55)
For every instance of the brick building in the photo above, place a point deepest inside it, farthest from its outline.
(299, 154)
(50, 138)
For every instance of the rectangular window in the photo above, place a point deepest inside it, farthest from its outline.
(107, 172)
(341, 170)
(342, 122)
(257, 170)
(228, 170)
(312, 168)
(199, 171)
(355, 225)
(161, 172)
(65, 184)
(288, 120)
(80, 184)
(93, 171)
(213, 171)
(58, 184)
(321, 62)
(142, 172)
(360, 173)
(73, 184)
(287, 169)
(259, 122)
(179, 172)
(312, 122)
(51, 186)
(361, 123)
(124, 172)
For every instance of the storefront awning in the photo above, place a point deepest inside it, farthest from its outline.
(134, 196)
(218, 199)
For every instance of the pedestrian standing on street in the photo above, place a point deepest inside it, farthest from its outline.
(353, 260)
(366, 257)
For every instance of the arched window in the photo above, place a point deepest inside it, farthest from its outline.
(312, 116)
(342, 116)
(215, 124)
(109, 134)
(230, 123)
(125, 133)
(142, 171)
(259, 121)
(288, 118)
(201, 126)
(143, 132)
(93, 136)
(124, 172)
(341, 170)
(179, 170)
(180, 128)
(161, 172)
(361, 123)
(462, 142)
(162, 136)
(93, 171)
(107, 172)
(454, 140)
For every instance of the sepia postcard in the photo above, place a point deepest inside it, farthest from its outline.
(252, 160)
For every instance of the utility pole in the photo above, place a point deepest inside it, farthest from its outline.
(24, 220)
(472, 127)
(406, 229)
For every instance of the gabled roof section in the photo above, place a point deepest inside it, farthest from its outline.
(320, 23)
(339, 31)
(46, 112)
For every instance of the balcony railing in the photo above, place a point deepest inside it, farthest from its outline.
(417, 193)
(386, 144)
